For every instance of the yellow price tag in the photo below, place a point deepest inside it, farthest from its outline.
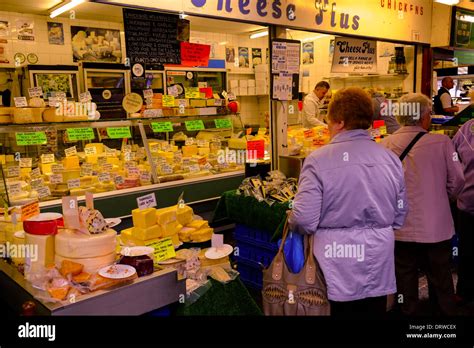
(164, 249)
(168, 101)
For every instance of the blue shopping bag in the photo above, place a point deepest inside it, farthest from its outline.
(294, 252)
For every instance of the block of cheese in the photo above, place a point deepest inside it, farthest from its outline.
(44, 246)
(197, 224)
(19, 240)
(73, 244)
(185, 233)
(91, 264)
(166, 215)
(5, 119)
(189, 150)
(69, 174)
(46, 168)
(204, 151)
(71, 162)
(171, 228)
(127, 238)
(144, 217)
(197, 103)
(114, 160)
(9, 229)
(202, 235)
(2, 159)
(92, 159)
(147, 233)
(36, 102)
(99, 147)
(175, 239)
(51, 115)
(25, 172)
(28, 115)
(237, 143)
(184, 215)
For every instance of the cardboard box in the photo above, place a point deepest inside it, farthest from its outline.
(261, 76)
(243, 83)
(261, 90)
(261, 83)
(233, 84)
(243, 91)
(207, 111)
(251, 83)
(251, 90)
(261, 68)
(198, 103)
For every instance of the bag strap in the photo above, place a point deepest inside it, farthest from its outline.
(310, 264)
(410, 146)
(277, 269)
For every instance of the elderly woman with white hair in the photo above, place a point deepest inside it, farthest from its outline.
(433, 176)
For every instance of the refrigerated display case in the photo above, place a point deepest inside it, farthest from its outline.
(154, 80)
(196, 77)
(108, 84)
(55, 78)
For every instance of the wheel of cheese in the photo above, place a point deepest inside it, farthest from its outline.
(91, 264)
(73, 244)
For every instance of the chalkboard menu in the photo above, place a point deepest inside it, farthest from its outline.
(151, 37)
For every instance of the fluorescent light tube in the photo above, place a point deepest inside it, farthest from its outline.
(66, 7)
(260, 34)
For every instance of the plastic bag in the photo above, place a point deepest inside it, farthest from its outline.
(294, 252)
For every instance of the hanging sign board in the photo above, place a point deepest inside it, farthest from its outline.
(354, 56)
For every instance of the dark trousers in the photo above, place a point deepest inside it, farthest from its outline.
(435, 260)
(465, 230)
(367, 307)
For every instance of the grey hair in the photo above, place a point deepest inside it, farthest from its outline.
(415, 115)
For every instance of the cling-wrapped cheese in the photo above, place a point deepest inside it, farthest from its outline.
(28, 115)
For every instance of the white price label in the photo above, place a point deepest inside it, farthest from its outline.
(57, 168)
(189, 141)
(153, 113)
(56, 178)
(90, 150)
(102, 161)
(145, 176)
(86, 169)
(43, 192)
(107, 167)
(148, 201)
(194, 168)
(35, 92)
(73, 183)
(133, 171)
(59, 95)
(119, 180)
(207, 166)
(85, 97)
(148, 93)
(37, 183)
(13, 171)
(72, 151)
(54, 102)
(35, 173)
(20, 102)
(166, 169)
(104, 177)
(26, 162)
(155, 147)
(47, 158)
(186, 161)
(129, 156)
(202, 143)
(110, 152)
(127, 148)
(14, 189)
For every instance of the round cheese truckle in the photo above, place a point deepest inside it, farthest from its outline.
(74, 244)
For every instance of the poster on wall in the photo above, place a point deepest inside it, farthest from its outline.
(354, 56)
(230, 54)
(244, 59)
(25, 29)
(308, 53)
(4, 51)
(331, 50)
(96, 45)
(4, 28)
(256, 56)
(55, 83)
(55, 33)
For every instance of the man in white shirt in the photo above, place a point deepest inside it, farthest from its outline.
(313, 101)
(443, 102)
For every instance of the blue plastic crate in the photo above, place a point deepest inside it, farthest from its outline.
(250, 272)
(245, 231)
(258, 252)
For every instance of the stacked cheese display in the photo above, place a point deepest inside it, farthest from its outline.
(196, 231)
(93, 248)
(304, 141)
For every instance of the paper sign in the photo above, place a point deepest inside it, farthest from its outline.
(166, 169)
(89, 200)
(119, 180)
(194, 125)
(148, 201)
(119, 132)
(148, 93)
(104, 177)
(194, 168)
(217, 240)
(30, 210)
(353, 55)
(168, 101)
(73, 183)
(86, 169)
(202, 85)
(37, 183)
(35, 92)
(256, 149)
(101, 160)
(20, 102)
(35, 173)
(110, 152)
(75, 134)
(58, 95)
(26, 162)
(47, 158)
(173, 90)
(57, 168)
(189, 141)
(155, 147)
(43, 192)
(207, 166)
(383, 130)
(31, 138)
(85, 97)
(164, 250)
(133, 171)
(71, 151)
(56, 178)
(308, 133)
(223, 123)
(194, 54)
(14, 189)
(71, 212)
(192, 93)
(202, 143)
(145, 176)
(13, 171)
(160, 127)
(107, 167)
(90, 150)
(150, 113)
(130, 164)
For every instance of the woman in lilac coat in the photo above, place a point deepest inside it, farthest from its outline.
(351, 196)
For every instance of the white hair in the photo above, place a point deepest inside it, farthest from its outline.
(413, 118)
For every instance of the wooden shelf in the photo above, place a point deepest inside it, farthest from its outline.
(366, 76)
